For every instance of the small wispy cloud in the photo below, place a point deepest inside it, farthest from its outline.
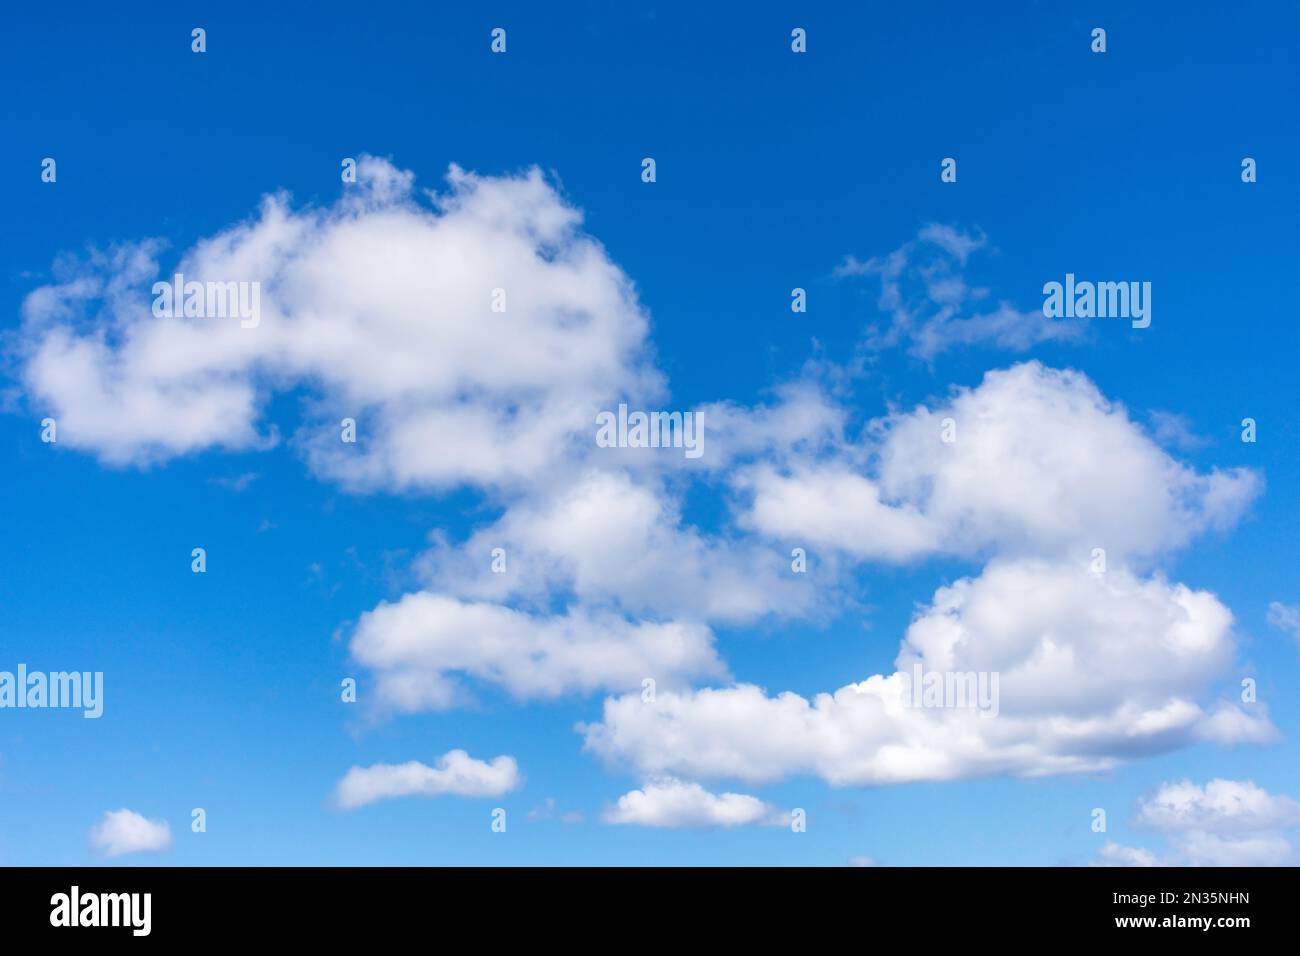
(1285, 617)
(1223, 823)
(932, 307)
(235, 483)
(548, 810)
(125, 831)
(1175, 431)
(456, 773)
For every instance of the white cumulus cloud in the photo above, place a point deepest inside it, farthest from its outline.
(421, 645)
(1092, 670)
(125, 831)
(456, 773)
(676, 803)
(1041, 463)
(380, 307)
(1223, 823)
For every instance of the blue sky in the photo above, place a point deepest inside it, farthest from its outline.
(773, 170)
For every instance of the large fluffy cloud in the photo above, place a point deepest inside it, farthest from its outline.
(456, 773)
(1223, 823)
(381, 307)
(1092, 669)
(1039, 462)
(1285, 617)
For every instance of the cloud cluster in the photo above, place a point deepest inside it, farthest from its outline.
(1098, 660)
(379, 308)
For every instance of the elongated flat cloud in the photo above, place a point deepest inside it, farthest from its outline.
(1223, 823)
(675, 803)
(381, 308)
(125, 831)
(1092, 670)
(456, 773)
(420, 646)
